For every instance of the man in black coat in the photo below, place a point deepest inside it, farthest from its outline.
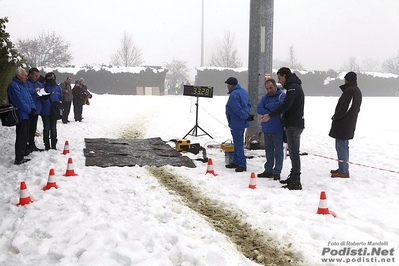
(344, 123)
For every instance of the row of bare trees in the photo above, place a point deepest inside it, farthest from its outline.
(50, 49)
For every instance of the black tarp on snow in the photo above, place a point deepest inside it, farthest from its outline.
(130, 152)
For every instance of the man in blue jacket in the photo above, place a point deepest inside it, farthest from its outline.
(33, 86)
(238, 110)
(19, 96)
(273, 130)
(292, 110)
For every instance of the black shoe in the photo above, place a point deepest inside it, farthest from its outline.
(293, 186)
(65, 122)
(21, 162)
(241, 169)
(231, 165)
(68, 121)
(276, 177)
(265, 174)
(34, 148)
(287, 181)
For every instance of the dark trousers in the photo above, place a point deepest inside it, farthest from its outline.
(32, 131)
(67, 109)
(21, 139)
(294, 141)
(49, 131)
(77, 110)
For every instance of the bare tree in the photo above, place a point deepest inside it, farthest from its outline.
(391, 65)
(129, 55)
(292, 61)
(352, 65)
(177, 71)
(227, 54)
(48, 49)
(370, 64)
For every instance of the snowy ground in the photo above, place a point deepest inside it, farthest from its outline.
(125, 216)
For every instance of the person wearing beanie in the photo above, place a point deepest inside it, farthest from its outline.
(292, 111)
(238, 113)
(344, 123)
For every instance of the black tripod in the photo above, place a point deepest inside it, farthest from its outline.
(194, 130)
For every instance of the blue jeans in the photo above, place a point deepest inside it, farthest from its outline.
(238, 140)
(294, 141)
(274, 152)
(342, 147)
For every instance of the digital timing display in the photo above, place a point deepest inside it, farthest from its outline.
(198, 91)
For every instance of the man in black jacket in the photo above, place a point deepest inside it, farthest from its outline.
(344, 122)
(293, 122)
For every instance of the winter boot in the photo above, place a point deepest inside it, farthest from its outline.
(47, 145)
(54, 144)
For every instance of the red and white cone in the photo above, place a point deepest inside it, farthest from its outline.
(209, 168)
(70, 171)
(323, 209)
(252, 181)
(66, 148)
(24, 197)
(51, 181)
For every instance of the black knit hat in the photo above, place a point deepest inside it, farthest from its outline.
(231, 81)
(351, 76)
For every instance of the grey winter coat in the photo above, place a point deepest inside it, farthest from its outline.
(66, 96)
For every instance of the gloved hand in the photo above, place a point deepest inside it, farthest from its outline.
(251, 118)
(32, 113)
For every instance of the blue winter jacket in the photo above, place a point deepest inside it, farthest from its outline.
(55, 95)
(20, 97)
(238, 108)
(266, 105)
(32, 85)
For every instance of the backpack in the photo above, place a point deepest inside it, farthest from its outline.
(56, 108)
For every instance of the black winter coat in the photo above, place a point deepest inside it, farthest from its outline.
(293, 105)
(346, 112)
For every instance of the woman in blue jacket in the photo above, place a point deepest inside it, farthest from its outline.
(49, 122)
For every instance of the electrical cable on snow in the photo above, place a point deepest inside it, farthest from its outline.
(359, 164)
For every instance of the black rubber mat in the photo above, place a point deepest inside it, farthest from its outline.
(130, 152)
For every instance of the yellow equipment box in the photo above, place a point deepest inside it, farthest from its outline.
(182, 144)
(227, 147)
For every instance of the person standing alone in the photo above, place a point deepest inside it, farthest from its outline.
(344, 123)
(238, 113)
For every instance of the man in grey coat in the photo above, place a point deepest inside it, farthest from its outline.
(66, 98)
(344, 123)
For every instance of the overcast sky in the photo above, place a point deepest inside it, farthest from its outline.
(324, 33)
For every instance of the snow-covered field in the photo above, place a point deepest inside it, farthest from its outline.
(124, 216)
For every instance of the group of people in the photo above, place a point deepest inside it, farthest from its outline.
(282, 120)
(34, 95)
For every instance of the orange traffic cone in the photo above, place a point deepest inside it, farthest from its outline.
(209, 169)
(252, 181)
(24, 197)
(323, 209)
(66, 148)
(51, 181)
(70, 171)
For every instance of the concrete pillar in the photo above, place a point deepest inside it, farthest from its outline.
(260, 59)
